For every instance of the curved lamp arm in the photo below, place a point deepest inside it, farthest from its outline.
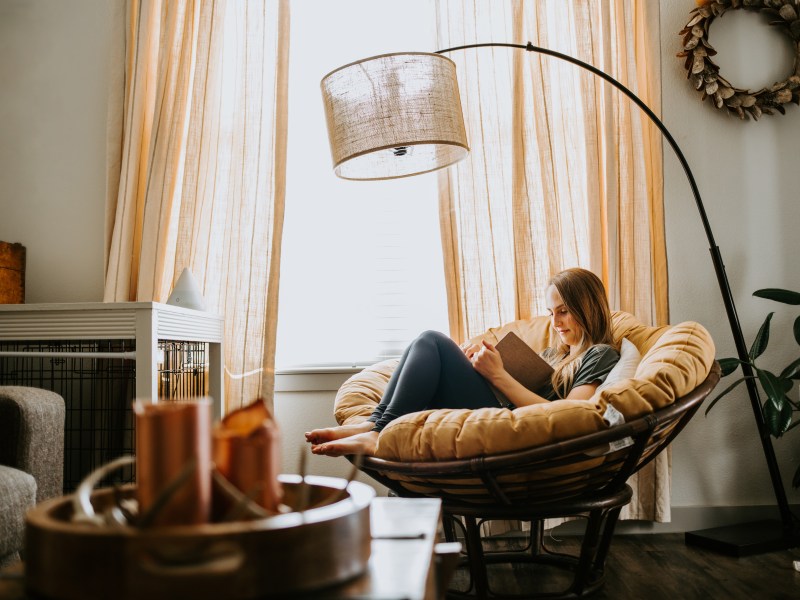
(638, 101)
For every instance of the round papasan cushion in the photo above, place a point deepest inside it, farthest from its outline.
(675, 359)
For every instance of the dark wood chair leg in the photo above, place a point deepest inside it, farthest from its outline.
(605, 541)
(448, 527)
(537, 537)
(477, 564)
(591, 541)
(594, 548)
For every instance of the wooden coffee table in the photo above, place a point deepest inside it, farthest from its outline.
(401, 565)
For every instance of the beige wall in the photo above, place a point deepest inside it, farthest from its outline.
(54, 60)
(53, 86)
(746, 172)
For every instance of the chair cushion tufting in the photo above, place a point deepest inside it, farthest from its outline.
(675, 360)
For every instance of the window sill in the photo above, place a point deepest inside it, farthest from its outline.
(314, 378)
(320, 369)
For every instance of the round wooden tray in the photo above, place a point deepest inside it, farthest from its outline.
(289, 553)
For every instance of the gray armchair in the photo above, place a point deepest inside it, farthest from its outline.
(31, 459)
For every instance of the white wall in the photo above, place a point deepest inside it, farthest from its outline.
(304, 402)
(53, 88)
(746, 173)
(54, 74)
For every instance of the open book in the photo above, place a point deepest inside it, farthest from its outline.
(523, 363)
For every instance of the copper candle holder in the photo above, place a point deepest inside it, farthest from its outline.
(173, 461)
(247, 453)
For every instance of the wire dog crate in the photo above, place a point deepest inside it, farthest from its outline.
(99, 392)
(99, 378)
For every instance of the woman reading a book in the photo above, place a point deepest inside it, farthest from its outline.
(434, 372)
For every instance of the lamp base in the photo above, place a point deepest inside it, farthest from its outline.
(744, 539)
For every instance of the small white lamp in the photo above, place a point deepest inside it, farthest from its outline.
(186, 292)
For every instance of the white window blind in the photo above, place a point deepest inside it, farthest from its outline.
(361, 265)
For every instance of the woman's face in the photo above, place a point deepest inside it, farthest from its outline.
(568, 329)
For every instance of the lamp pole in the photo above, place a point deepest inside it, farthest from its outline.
(748, 538)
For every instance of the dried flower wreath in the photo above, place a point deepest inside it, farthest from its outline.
(704, 74)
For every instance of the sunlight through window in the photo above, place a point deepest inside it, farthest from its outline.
(361, 272)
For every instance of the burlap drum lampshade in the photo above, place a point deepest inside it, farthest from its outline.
(394, 115)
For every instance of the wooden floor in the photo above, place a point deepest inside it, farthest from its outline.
(660, 566)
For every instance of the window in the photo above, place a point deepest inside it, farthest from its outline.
(361, 271)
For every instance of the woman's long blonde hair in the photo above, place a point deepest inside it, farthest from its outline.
(585, 298)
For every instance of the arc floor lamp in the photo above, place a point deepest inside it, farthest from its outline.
(398, 115)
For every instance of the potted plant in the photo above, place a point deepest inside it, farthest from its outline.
(778, 408)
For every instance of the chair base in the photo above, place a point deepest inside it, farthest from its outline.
(587, 567)
(549, 561)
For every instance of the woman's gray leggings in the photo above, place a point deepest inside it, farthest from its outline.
(433, 373)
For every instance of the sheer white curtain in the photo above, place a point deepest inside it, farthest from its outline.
(564, 170)
(198, 177)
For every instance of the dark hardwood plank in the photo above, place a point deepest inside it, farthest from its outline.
(656, 567)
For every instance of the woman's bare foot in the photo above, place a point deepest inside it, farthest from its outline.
(362, 443)
(320, 436)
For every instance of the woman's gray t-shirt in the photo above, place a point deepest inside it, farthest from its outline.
(595, 366)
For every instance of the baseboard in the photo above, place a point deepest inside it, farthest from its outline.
(688, 518)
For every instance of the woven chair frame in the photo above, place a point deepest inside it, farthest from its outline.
(578, 477)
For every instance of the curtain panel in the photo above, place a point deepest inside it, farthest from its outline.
(200, 166)
(564, 170)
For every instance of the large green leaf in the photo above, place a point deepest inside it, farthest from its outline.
(762, 339)
(773, 388)
(797, 330)
(791, 372)
(728, 365)
(725, 392)
(777, 419)
(779, 295)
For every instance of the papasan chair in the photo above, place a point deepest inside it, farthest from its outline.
(561, 459)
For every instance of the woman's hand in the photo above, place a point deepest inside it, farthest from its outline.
(469, 350)
(486, 361)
